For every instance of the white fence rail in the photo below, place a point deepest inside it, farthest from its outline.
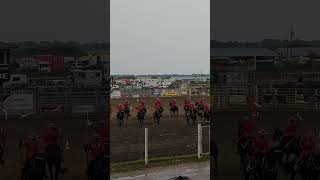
(270, 96)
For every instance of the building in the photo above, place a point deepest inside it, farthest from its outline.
(44, 67)
(7, 57)
(239, 64)
(55, 62)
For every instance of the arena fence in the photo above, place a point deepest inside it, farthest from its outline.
(71, 99)
(202, 141)
(272, 96)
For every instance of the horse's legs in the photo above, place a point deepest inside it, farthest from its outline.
(57, 170)
(50, 166)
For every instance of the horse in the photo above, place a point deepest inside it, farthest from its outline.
(215, 155)
(126, 113)
(191, 115)
(141, 116)
(3, 136)
(186, 109)
(54, 156)
(309, 167)
(291, 151)
(207, 115)
(98, 168)
(200, 111)
(35, 168)
(267, 167)
(157, 116)
(174, 109)
(120, 117)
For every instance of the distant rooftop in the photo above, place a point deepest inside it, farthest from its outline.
(241, 52)
(7, 46)
(301, 51)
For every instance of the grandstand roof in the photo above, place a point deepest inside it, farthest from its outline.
(238, 52)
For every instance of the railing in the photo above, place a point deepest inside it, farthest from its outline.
(66, 97)
(270, 96)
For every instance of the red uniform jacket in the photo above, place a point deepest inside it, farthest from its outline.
(290, 130)
(120, 107)
(206, 107)
(126, 105)
(173, 103)
(52, 136)
(308, 147)
(96, 149)
(31, 146)
(262, 145)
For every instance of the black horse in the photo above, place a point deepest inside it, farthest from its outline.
(207, 115)
(291, 152)
(186, 110)
(174, 109)
(141, 116)
(191, 115)
(309, 167)
(200, 110)
(157, 116)
(126, 113)
(98, 168)
(3, 138)
(120, 117)
(34, 168)
(54, 156)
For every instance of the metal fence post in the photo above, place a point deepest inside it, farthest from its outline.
(316, 92)
(146, 145)
(199, 141)
(36, 101)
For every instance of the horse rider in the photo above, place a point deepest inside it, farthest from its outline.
(158, 107)
(173, 103)
(96, 148)
(308, 146)
(255, 108)
(102, 131)
(32, 147)
(247, 130)
(206, 107)
(2, 145)
(261, 145)
(290, 131)
(120, 108)
(126, 107)
(142, 102)
(52, 137)
(187, 100)
(140, 108)
(191, 106)
(200, 101)
(158, 102)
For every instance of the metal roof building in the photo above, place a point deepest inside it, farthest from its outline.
(242, 52)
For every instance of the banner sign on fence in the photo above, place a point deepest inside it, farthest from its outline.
(238, 99)
(19, 103)
(312, 98)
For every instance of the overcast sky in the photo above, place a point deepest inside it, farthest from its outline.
(160, 36)
(64, 20)
(251, 20)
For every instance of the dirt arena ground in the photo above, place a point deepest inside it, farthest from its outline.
(225, 132)
(74, 129)
(170, 138)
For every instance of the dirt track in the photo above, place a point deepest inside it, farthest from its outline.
(172, 137)
(225, 132)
